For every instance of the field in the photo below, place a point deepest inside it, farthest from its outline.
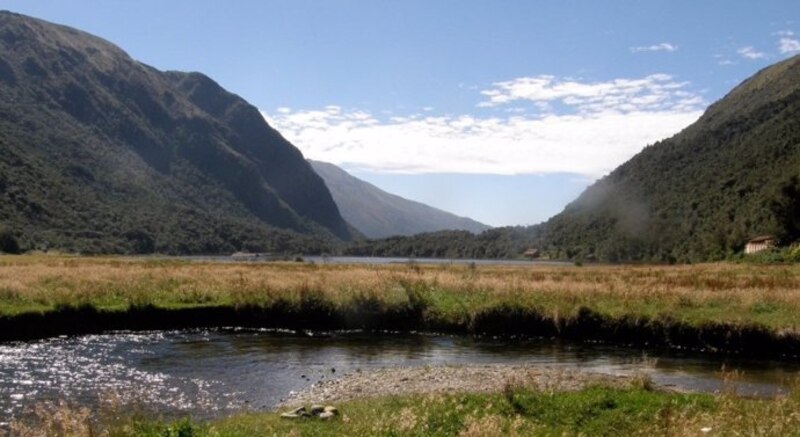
(635, 409)
(741, 308)
(725, 307)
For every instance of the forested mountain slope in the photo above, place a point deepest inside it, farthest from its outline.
(703, 193)
(697, 196)
(100, 153)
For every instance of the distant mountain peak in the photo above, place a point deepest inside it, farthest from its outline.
(378, 214)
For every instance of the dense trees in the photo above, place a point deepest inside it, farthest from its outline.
(8, 243)
(698, 196)
(102, 154)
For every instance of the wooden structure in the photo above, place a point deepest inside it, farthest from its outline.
(531, 253)
(757, 244)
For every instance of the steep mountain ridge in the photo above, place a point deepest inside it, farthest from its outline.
(378, 214)
(104, 154)
(701, 194)
(697, 196)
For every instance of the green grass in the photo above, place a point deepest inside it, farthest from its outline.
(594, 411)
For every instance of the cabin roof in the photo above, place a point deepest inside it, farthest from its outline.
(761, 239)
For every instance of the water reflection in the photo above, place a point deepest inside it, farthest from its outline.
(211, 372)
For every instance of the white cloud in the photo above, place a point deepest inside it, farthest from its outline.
(783, 33)
(657, 92)
(751, 53)
(788, 45)
(662, 47)
(605, 124)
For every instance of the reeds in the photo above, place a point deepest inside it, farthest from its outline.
(746, 309)
(719, 293)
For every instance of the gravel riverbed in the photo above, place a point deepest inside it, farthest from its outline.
(446, 379)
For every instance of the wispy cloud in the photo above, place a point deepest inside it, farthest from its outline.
(788, 45)
(657, 92)
(662, 47)
(751, 53)
(591, 138)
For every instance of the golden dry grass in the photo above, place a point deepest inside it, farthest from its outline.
(725, 293)
(520, 411)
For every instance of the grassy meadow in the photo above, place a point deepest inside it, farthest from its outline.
(518, 410)
(736, 294)
(733, 295)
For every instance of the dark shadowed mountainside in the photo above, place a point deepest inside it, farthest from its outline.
(378, 214)
(100, 153)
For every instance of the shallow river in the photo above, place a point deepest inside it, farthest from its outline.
(211, 372)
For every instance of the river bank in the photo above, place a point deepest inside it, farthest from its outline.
(721, 308)
(448, 380)
(468, 401)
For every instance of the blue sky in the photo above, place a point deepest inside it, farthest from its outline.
(501, 111)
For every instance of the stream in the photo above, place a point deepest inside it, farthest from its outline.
(209, 373)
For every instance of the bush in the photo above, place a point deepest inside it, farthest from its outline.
(8, 243)
(794, 254)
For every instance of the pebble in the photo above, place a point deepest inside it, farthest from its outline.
(446, 379)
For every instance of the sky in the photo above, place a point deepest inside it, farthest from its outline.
(500, 111)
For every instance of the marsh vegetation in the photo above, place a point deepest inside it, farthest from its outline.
(717, 306)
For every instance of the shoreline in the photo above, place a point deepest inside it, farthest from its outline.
(448, 380)
(747, 341)
(743, 310)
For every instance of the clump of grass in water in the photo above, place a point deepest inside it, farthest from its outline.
(59, 419)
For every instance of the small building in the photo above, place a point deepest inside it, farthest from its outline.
(531, 253)
(248, 256)
(757, 244)
(244, 256)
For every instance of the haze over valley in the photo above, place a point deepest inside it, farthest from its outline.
(410, 218)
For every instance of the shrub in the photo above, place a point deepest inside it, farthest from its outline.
(8, 243)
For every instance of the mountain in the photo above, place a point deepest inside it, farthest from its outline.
(378, 214)
(101, 153)
(700, 195)
(697, 196)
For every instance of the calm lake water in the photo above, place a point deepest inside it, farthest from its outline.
(212, 372)
(370, 260)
